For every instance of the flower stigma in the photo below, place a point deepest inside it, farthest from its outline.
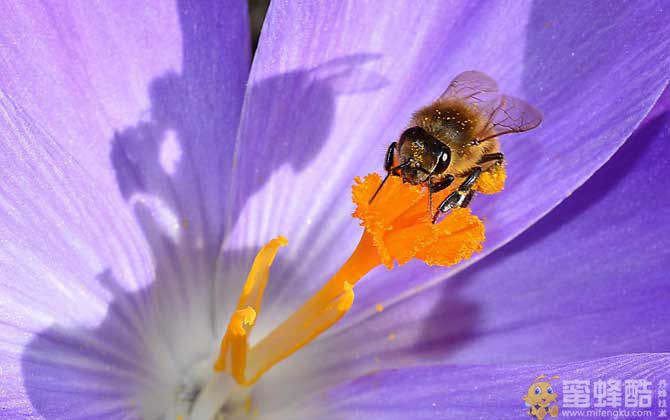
(397, 226)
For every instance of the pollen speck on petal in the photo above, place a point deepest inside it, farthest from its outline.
(347, 299)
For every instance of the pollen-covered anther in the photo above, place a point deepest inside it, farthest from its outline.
(242, 318)
(400, 226)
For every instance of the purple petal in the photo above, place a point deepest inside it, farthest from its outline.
(484, 391)
(332, 85)
(116, 135)
(591, 276)
(56, 265)
(118, 83)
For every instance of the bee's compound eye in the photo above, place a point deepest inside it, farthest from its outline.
(550, 391)
(538, 391)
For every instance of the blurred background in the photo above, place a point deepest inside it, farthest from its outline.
(257, 10)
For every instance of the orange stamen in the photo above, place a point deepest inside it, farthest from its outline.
(234, 345)
(398, 227)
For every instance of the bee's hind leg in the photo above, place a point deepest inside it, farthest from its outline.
(491, 157)
(468, 198)
(462, 196)
(433, 188)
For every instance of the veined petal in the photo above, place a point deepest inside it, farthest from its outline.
(146, 95)
(329, 91)
(69, 249)
(479, 391)
(117, 127)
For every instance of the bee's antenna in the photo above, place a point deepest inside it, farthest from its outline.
(388, 173)
(379, 187)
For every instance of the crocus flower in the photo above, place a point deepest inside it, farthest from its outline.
(145, 170)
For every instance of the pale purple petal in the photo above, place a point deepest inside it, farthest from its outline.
(116, 135)
(57, 262)
(145, 94)
(484, 391)
(589, 280)
(329, 90)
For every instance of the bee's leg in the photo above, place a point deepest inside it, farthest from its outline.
(468, 198)
(462, 196)
(470, 180)
(448, 180)
(497, 157)
(433, 188)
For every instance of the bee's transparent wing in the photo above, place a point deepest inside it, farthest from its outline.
(474, 87)
(505, 114)
(509, 115)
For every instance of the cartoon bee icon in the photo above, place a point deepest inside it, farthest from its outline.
(541, 399)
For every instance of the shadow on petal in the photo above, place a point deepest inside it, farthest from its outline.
(174, 168)
(186, 162)
(164, 168)
(137, 360)
(452, 324)
(87, 373)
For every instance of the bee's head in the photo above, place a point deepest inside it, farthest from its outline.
(422, 154)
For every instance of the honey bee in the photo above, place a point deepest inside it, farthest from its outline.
(456, 138)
